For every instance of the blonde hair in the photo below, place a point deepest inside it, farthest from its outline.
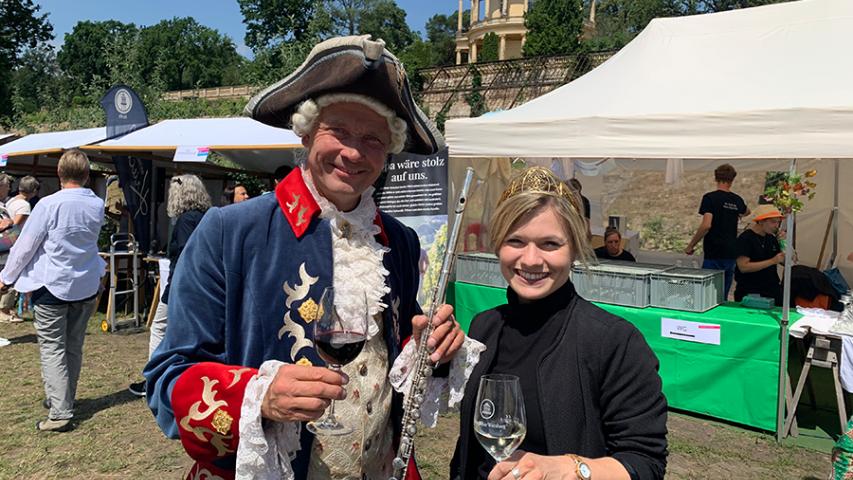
(520, 207)
(73, 167)
(308, 111)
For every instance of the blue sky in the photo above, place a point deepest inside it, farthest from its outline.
(223, 15)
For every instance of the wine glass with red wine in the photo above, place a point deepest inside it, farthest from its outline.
(339, 336)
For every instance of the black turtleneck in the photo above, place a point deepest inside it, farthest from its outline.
(529, 330)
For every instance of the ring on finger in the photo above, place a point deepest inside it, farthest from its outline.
(516, 473)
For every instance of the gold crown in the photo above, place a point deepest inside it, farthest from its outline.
(540, 180)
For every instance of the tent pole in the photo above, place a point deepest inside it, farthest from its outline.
(783, 330)
(835, 222)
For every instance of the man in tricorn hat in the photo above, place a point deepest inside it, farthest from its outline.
(237, 374)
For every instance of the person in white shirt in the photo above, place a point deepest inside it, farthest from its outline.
(18, 210)
(56, 258)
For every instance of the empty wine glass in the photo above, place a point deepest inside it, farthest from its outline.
(339, 336)
(499, 419)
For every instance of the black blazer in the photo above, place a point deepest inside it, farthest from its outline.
(600, 392)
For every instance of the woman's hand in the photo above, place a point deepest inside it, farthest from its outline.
(530, 466)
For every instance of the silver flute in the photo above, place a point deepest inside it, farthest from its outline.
(423, 368)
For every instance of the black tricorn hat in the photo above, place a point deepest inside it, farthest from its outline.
(354, 64)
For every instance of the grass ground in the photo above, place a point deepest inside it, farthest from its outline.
(116, 436)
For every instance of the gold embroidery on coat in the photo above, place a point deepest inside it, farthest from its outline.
(208, 397)
(294, 330)
(309, 311)
(299, 291)
(304, 362)
(222, 421)
(292, 205)
(301, 216)
(238, 373)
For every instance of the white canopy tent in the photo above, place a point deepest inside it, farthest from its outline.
(747, 86)
(252, 145)
(31, 151)
(757, 83)
(7, 137)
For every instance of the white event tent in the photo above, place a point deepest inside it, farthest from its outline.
(756, 87)
(252, 145)
(31, 151)
(759, 87)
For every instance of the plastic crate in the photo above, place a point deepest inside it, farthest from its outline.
(690, 289)
(479, 269)
(618, 283)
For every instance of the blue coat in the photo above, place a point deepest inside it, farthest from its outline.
(239, 285)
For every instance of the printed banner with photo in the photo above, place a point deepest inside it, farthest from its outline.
(413, 188)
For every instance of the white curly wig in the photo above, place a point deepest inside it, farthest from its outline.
(308, 111)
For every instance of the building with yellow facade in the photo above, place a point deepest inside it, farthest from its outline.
(504, 18)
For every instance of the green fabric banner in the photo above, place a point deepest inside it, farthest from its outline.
(736, 380)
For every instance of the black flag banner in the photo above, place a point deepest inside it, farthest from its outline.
(125, 113)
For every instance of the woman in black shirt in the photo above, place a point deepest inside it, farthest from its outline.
(591, 390)
(612, 249)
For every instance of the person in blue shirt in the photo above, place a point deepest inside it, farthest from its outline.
(56, 260)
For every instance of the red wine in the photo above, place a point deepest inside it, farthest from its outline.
(339, 348)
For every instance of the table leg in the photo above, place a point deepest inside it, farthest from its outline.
(152, 309)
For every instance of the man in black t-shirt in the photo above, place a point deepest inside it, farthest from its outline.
(720, 210)
(758, 253)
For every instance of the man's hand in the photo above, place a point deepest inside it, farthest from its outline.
(301, 393)
(446, 338)
(779, 258)
(3, 287)
(689, 250)
(6, 223)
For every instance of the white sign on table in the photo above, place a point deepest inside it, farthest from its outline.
(690, 331)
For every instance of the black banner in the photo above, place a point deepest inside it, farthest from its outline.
(125, 111)
(134, 176)
(414, 185)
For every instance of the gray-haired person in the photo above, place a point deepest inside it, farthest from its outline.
(18, 210)
(188, 200)
(56, 258)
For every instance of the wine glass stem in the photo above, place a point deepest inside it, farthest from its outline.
(330, 417)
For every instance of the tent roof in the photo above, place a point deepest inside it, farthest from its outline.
(763, 82)
(7, 137)
(52, 142)
(251, 144)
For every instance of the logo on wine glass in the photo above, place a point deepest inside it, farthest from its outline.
(487, 409)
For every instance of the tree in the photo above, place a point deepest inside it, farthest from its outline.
(553, 27)
(185, 54)
(83, 56)
(441, 35)
(36, 82)
(380, 18)
(20, 28)
(272, 22)
(491, 48)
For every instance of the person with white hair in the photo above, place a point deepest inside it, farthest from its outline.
(237, 375)
(187, 203)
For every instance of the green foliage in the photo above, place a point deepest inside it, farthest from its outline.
(553, 27)
(83, 55)
(617, 22)
(475, 99)
(657, 234)
(21, 28)
(271, 22)
(788, 190)
(491, 48)
(185, 55)
(441, 37)
(380, 18)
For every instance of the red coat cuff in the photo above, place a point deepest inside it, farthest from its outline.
(206, 400)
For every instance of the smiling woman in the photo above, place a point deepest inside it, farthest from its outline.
(589, 381)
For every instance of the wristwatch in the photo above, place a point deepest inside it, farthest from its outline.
(582, 470)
